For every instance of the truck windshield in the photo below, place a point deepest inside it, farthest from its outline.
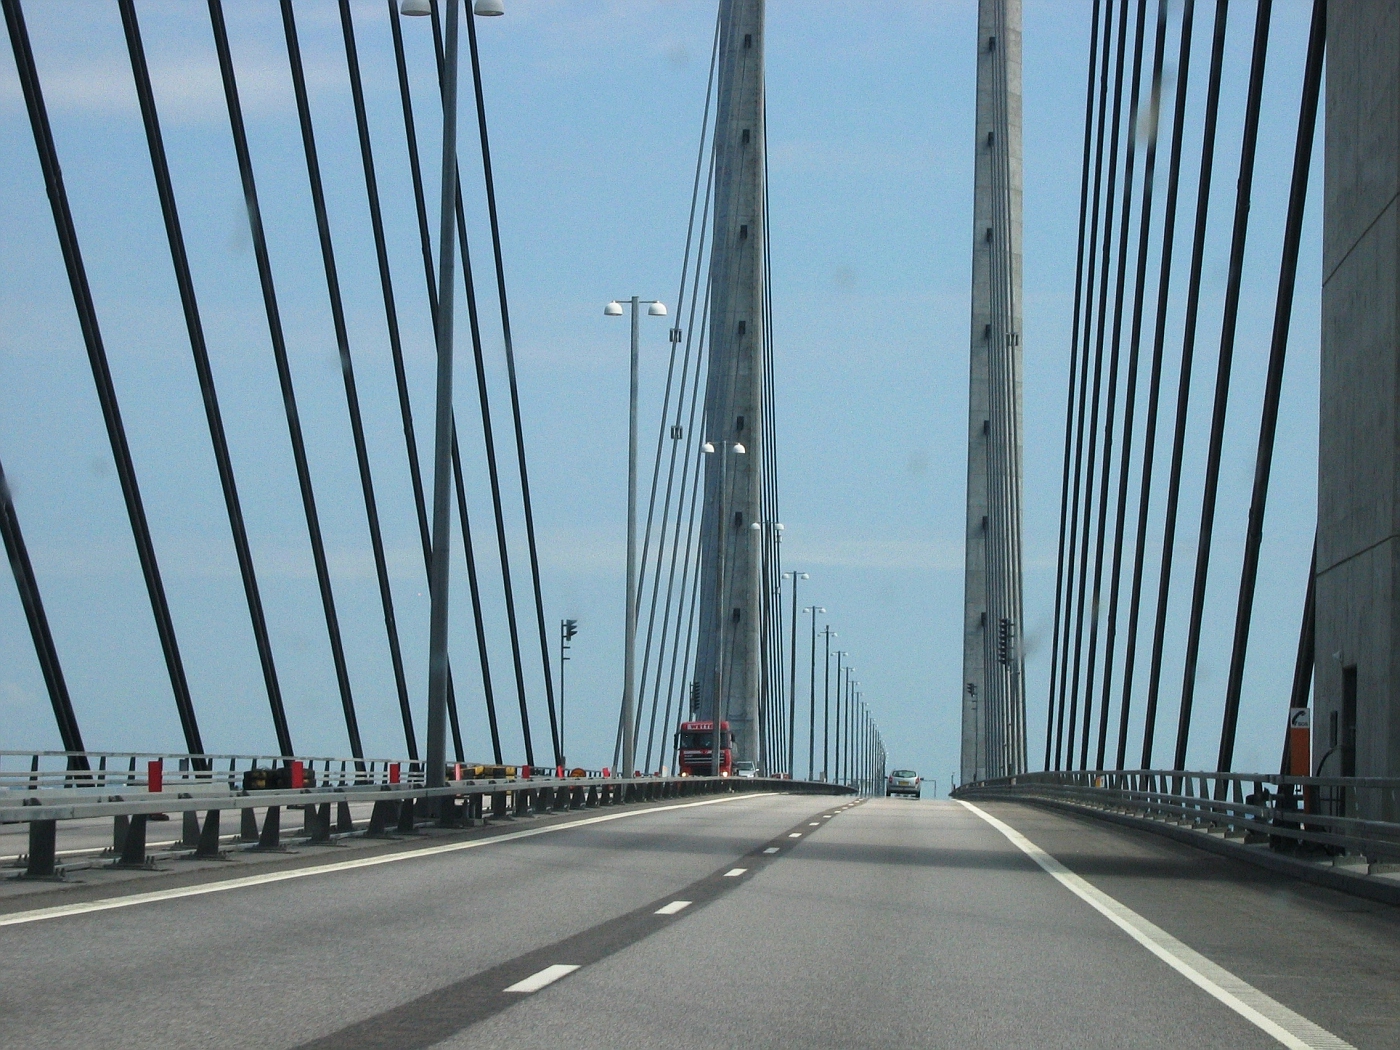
(702, 739)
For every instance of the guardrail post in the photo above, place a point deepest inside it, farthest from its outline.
(189, 827)
(344, 822)
(119, 827)
(133, 854)
(43, 849)
(498, 806)
(406, 816)
(379, 819)
(248, 825)
(318, 819)
(271, 837)
(208, 846)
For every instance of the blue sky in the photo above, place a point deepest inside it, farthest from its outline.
(595, 112)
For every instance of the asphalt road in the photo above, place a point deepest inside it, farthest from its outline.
(888, 923)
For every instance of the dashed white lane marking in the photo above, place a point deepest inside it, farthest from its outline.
(734, 872)
(131, 900)
(672, 908)
(771, 849)
(815, 824)
(826, 816)
(547, 976)
(1268, 1014)
(794, 835)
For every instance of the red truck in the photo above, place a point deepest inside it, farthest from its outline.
(694, 746)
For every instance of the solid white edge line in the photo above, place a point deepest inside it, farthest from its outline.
(734, 872)
(1268, 1014)
(672, 908)
(20, 918)
(545, 977)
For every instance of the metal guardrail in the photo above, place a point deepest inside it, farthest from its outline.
(61, 785)
(1309, 815)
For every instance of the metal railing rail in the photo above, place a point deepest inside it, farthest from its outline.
(1328, 814)
(45, 794)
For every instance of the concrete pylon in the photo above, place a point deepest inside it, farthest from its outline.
(993, 689)
(729, 647)
(1356, 724)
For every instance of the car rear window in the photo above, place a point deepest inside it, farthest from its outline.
(904, 773)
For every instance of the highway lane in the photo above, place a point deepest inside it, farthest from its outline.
(891, 923)
(277, 965)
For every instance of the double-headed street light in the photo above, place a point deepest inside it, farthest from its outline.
(436, 774)
(792, 679)
(655, 308)
(812, 711)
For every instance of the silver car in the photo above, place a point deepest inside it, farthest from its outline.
(746, 769)
(904, 782)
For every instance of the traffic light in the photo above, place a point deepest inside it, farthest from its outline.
(570, 629)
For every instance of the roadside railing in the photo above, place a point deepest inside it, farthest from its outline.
(1319, 816)
(45, 788)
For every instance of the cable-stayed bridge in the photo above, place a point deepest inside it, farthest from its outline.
(452, 871)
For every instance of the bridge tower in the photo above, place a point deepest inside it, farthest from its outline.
(993, 693)
(729, 646)
(1356, 725)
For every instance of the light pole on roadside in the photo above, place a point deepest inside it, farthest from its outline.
(655, 308)
(792, 679)
(436, 772)
(812, 705)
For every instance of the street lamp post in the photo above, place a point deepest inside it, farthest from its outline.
(812, 709)
(836, 729)
(629, 685)
(716, 740)
(436, 772)
(826, 703)
(792, 679)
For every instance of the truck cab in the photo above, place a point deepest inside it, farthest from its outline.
(695, 749)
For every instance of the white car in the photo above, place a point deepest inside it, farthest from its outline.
(746, 769)
(904, 782)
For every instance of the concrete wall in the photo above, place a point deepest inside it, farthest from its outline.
(1358, 559)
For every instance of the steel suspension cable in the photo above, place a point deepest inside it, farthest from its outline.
(284, 372)
(1069, 397)
(1273, 388)
(689, 429)
(1064, 731)
(199, 350)
(1112, 385)
(1183, 68)
(347, 368)
(690, 241)
(1183, 395)
(1130, 385)
(514, 391)
(66, 232)
(1222, 378)
(44, 648)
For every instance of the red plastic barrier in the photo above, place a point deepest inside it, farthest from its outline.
(524, 772)
(393, 772)
(298, 775)
(154, 772)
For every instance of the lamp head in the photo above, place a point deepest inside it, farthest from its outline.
(739, 449)
(614, 308)
(656, 310)
(707, 448)
(415, 7)
(489, 7)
